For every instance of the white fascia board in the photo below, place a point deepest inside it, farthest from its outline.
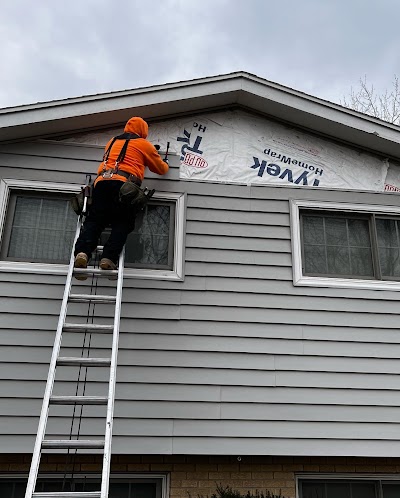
(106, 103)
(242, 89)
(321, 117)
(67, 116)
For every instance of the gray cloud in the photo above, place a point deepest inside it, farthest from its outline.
(54, 50)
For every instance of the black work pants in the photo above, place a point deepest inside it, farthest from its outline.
(106, 210)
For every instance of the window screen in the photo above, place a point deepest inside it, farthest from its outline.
(38, 229)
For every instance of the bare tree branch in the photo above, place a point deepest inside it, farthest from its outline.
(385, 106)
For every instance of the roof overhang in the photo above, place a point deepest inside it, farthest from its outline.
(164, 101)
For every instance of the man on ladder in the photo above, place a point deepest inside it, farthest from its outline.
(117, 194)
(117, 197)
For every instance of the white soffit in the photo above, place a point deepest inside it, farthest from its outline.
(237, 89)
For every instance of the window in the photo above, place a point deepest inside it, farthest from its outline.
(39, 228)
(120, 487)
(346, 245)
(350, 245)
(150, 245)
(348, 488)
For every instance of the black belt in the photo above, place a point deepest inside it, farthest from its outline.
(131, 178)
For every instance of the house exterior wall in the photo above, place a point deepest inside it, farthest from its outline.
(232, 360)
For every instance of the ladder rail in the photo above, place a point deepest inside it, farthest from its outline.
(48, 398)
(105, 478)
(33, 472)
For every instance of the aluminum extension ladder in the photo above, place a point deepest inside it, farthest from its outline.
(56, 360)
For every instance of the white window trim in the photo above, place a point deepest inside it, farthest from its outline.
(176, 274)
(345, 283)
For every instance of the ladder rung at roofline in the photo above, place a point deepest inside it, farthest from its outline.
(63, 444)
(88, 362)
(95, 271)
(89, 327)
(91, 298)
(79, 400)
(68, 494)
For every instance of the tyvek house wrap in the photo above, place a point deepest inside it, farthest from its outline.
(238, 147)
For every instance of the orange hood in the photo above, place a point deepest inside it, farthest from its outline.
(138, 126)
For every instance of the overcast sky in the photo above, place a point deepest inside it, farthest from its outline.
(54, 49)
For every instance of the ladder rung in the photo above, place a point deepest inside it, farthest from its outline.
(60, 444)
(93, 362)
(89, 327)
(67, 494)
(95, 271)
(91, 298)
(79, 400)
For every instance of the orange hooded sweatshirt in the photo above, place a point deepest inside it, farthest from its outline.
(139, 154)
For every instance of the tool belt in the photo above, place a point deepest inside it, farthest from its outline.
(77, 202)
(130, 194)
(108, 174)
(131, 178)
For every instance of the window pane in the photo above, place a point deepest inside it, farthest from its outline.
(42, 230)
(338, 490)
(22, 243)
(6, 489)
(338, 260)
(387, 234)
(361, 262)
(388, 246)
(149, 244)
(336, 231)
(313, 230)
(143, 490)
(390, 262)
(52, 214)
(25, 211)
(363, 490)
(119, 490)
(359, 233)
(343, 248)
(313, 490)
(315, 259)
(391, 490)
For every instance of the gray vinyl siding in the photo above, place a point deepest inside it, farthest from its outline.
(234, 359)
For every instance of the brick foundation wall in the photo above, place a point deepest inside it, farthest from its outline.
(196, 475)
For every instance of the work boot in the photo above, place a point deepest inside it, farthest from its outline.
(81, 261)
(107, 264)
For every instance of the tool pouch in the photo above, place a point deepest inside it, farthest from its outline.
(77, 202)
(132, 195)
